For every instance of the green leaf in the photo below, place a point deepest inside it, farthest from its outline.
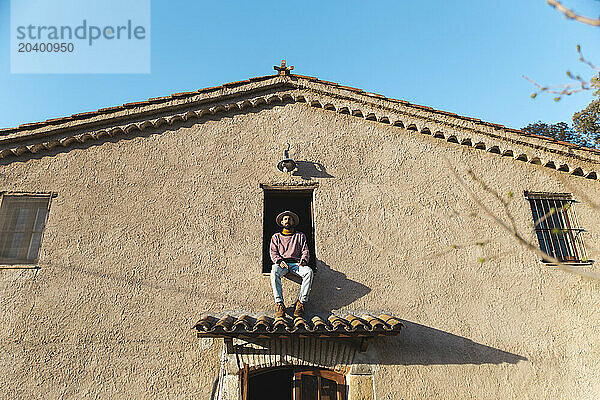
(481, 260)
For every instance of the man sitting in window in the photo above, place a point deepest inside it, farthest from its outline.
(289, 253)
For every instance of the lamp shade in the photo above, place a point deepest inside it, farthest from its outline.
(287, 164)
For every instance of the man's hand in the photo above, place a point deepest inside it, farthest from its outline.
(283, 264)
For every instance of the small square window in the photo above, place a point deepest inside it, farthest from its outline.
(556, 226)
(22, 221)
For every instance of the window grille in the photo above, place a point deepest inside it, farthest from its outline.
(22, 221)
(556, 226)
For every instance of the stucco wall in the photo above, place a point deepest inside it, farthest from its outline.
(150, 231)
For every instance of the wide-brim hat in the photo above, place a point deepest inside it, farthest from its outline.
(291, 214)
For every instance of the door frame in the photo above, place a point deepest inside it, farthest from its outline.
(297, 373)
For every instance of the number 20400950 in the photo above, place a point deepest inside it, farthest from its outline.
(46, 47)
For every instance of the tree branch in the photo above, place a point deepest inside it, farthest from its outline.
(562, 90)
(584, 60)
(567, 89)
(570, 14)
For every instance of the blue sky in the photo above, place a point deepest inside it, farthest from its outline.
(465, 57)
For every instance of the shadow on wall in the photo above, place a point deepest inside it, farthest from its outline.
(422, 345)
(309, 169)
(416, 345)
(332, 290)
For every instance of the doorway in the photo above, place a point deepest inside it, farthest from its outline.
(295, 383)
(269, 384)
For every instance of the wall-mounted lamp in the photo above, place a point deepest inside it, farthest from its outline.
(287, 164)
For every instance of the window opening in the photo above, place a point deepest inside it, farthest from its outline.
(278, 200)
(556, 226)
(22, 221)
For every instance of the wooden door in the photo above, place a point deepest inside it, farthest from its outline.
(319, 385)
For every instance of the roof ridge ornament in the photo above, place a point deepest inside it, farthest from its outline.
(283, 70)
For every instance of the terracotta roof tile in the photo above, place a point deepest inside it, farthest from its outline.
(422, 107)
(329, 83)
(499, 126)
(310, 78)
(260, 78)
(208, 89)
(399, 101)
(154, 100)
(566, 143)
(84, 114)
(135, 104)
(351, 88)
(108, 109)
(448, 113)
(182, 94)
(31, 125)
(236, 83)
(379, 96)
(53, 120)
(264, 325)
(536, 136)
(158, 98)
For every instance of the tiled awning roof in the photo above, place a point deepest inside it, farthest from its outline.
(268, 327)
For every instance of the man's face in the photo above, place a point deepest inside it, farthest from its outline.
(287, 221)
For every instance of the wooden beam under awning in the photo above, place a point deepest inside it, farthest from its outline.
(360, 344)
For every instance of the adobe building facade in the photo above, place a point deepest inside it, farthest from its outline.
(156, 218)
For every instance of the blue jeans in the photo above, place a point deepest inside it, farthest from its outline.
(304, 271)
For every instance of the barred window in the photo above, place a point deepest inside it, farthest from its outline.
(556, 226)
(22, 221)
